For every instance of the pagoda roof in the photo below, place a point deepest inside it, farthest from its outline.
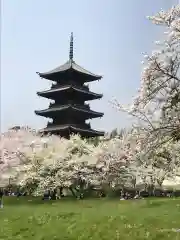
(62, 108)
(72, 128)
(49, 93)
(69, 66)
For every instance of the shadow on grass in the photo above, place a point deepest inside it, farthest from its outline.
(29, 200)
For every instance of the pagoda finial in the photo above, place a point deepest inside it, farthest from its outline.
(71, 47)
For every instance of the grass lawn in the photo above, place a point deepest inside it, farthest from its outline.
(99, 219)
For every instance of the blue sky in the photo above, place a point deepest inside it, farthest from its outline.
(109, 38)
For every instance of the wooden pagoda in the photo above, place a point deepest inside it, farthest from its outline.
(69, 93)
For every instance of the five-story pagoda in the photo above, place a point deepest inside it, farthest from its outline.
(69, 92)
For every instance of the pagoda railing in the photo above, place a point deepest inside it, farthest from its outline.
(83, 106)
(80, 125)
(88, 125)
(83, 87)
(54, 85)
(50, 124)
(51, 105)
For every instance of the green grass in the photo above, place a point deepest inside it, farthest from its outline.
(99, 219)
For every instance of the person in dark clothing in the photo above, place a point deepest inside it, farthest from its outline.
(18, 194)
(1, 193)
(46, 195)
(1, 198)
(53, 195)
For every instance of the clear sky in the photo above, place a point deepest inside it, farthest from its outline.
(109, 38)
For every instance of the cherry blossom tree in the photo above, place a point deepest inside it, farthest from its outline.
(39, 163)
(157, 105)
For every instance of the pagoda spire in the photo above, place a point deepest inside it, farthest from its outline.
(71, 48)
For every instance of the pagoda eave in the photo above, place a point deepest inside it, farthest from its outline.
(65, 90)
(68, 129)
(67, 69)
(65, 110)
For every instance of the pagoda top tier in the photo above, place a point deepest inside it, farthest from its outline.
(70, 70)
